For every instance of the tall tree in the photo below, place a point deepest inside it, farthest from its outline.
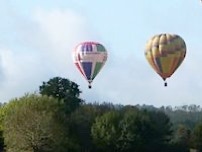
(63, 89)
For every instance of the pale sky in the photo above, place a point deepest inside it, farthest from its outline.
(37, 39)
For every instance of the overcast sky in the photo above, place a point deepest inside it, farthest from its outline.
(37, 39)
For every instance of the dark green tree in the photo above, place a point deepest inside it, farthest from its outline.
(160, 132)
(197, 137)
(63, 89)
(130, 129)
(182, 139)
(149, 130)
(80, 124)
(134, 129)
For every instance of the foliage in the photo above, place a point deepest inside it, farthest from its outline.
(35, 124)
(40, 123)
(197, 136)
(105, 131)
(189, 115)
(182, 138)
(80, 125)
(62, 89)
(130, 129)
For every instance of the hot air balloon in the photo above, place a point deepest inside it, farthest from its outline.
(165, 53)
(89, 58)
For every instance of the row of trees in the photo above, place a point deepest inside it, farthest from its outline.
(56, 119)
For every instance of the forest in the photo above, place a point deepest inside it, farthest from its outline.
(56, 119)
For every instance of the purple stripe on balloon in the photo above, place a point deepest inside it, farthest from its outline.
(87, 47)
(87, 68)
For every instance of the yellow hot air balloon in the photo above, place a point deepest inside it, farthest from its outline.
(165, 53)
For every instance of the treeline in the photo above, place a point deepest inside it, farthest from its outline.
(57, 120)
(188, 115)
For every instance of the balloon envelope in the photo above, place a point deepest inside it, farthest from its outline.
(89, 58)
(165, 53)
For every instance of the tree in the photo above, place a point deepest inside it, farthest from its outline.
(2, 114)
(145, 130)
(62, 89)
(160, 132)
(80, 124)
(35, 124)
(134, 129)
(105, 131)
(182, 139)
(130, 129)
(197, 137)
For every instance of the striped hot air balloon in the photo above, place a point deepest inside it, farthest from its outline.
(165, 53)
(89, 58)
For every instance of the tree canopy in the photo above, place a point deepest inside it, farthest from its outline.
(58, 120)
(34, 123)
(62, 89)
